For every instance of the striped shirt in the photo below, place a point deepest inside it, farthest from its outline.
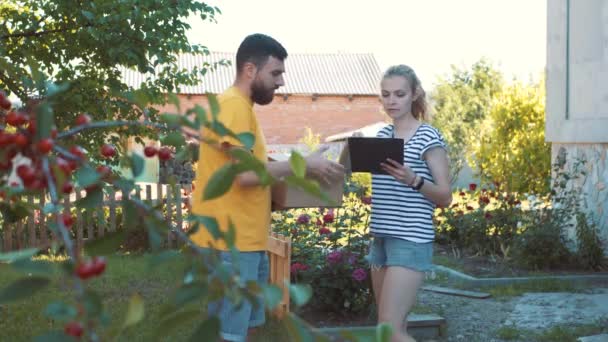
(398, 210)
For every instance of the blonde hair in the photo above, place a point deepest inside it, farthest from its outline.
(419, 106)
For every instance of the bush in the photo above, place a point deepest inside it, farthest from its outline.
(328, 252)
(590, 251)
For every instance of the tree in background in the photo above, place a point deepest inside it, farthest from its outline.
(510, 147)
(86, 44)
(460, 102)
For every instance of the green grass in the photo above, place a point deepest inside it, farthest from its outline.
(561, 333)
(125, 276)
(546, 285)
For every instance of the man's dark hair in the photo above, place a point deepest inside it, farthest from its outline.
(256, 49)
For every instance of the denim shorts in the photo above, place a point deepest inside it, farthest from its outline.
(236, 320)
(390, 251)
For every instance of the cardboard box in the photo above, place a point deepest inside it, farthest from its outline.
(285, 196)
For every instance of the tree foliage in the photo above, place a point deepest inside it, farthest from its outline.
(461, 101)
(510, 148)
(87, 44)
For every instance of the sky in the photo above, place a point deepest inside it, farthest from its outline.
(429, 35)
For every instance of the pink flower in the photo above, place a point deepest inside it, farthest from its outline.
(334, 257)
(303, 219)
(324, 231)
(488, 216)
(359, 274)
(329, 217)
(297, 267)
(472, 186)
(366, 200)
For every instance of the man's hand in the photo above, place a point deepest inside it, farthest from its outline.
(321, 168)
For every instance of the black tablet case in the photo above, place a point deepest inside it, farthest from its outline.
(366, 154)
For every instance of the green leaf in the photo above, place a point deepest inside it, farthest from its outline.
(162, 257)
(135, 312)
(53, 89)
(44, 120)
(92, 303)
(125, 185)
(310, 186)
(154, 236)
(201, 116)
(129, 212)
(18, 255)
(272, 295)
(86, 176)
(137, 164)
(92, 200)
(384, 332)
(171, 119)
(14, 213)
(247, 139)
(60, 311)
(220, 182)
(23, 288)
(174, 139)
(188, 293)
(297, 329)
(54, 336)
(230, 235)
(300, 294)
(210, 224)
(209, 330)
(174, 100)
(88, 14)
(298, 164)
(35, 267)
(175, 321)
(214, 105)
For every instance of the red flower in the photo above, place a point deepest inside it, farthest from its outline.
(324, 231)
(472, 186)
(462, 194)
(329, 217)
(484, 199)
(469, 208)
(488, 216)
(303, 219)
(297, 267)
(366, 200)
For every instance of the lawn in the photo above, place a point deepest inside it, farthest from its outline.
(125, 276)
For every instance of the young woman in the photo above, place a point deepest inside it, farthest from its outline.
(403, 200)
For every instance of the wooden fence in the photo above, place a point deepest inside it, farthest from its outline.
(33, 231)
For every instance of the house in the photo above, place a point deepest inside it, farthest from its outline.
(328, 93)
(577, 97)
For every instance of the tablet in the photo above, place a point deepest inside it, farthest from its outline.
(366, 154)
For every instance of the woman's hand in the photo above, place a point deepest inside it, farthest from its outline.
(402, 173)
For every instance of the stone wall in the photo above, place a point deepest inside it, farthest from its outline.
(594, 183)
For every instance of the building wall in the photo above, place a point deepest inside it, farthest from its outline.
(577, 94)
(284, 121)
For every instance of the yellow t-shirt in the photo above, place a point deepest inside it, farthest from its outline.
(247, 207)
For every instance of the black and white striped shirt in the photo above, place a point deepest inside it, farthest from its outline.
(397, 209)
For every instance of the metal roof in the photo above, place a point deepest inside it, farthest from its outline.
(307, 73)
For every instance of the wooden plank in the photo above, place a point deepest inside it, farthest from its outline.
(276, 246)
(168, 212)
(112, 209)
(31, 225)
(18, 236)
(44, 230)
(7, 238)
(79, 224)
(456, 292)
(179, 224)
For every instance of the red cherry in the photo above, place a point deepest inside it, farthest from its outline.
(45, 145)
(68, 187)
(68, 220)
(4, 102)
(74, 329)
(15, 119)
(26, 173)
(108, 151)
(21, 140)
(83, 119)
(164, 153)
(84, 270)
(6, 139)
(78, 152)
(31, 127)
(104, 170)
(99, 265)
(150, 151)
(54, 132)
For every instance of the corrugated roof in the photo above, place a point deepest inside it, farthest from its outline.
(323, 74)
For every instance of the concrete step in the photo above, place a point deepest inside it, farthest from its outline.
(421, 327)
(595, 338)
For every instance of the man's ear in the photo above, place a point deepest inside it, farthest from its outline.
(249, 70)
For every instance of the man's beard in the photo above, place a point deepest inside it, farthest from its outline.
(260, 94)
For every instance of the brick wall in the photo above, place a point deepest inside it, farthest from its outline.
(285, 119)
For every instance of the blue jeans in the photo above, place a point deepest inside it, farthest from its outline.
(390, 251)
(236, 320)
